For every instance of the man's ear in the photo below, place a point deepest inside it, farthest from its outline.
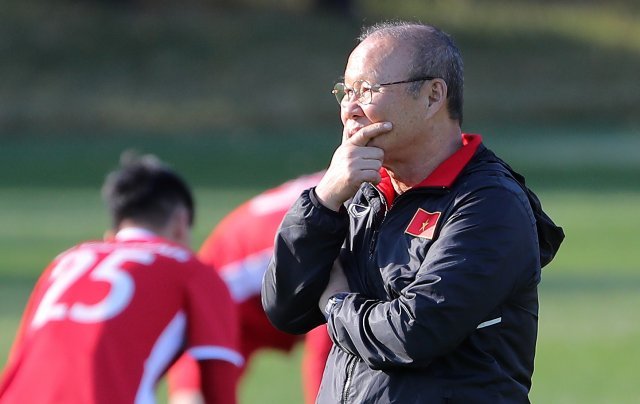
(181, 226)
(436, 94)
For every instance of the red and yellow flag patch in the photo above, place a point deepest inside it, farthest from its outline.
(423, 224)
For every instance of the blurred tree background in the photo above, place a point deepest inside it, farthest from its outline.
(236, 95)
(234, 70)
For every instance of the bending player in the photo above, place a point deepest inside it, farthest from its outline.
(107, 318)
(239, 248)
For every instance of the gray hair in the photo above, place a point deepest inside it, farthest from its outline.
(435, 54)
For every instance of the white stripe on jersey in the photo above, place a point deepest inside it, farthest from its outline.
(165, 349)
(282, 197)
(244, 277)
(217, 352)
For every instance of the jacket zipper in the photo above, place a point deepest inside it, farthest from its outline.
(376, 231)
(347, 383)
(372, 245)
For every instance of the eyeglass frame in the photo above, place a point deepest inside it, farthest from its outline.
(373, 88)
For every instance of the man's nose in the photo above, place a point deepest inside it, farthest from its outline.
(351, 107)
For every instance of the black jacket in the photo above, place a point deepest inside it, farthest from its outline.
(443, 305)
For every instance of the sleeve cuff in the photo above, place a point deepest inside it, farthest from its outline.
(333, 302)
(317, 204)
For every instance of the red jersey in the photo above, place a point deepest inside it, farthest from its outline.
(239, 249)
(106, 319)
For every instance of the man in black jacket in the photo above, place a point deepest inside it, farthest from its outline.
(419, 247)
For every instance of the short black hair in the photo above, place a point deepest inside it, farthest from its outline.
(145, 190)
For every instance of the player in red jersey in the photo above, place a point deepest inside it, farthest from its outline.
(239, 248)
(107, 318)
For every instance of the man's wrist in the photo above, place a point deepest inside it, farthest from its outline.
(333, 301)
(325, 201)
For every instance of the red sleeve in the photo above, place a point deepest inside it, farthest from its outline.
(13, 361)
(220, 379)
(317, 345)
(27, 316)
(15, 353)
(219, 382)
(212, 320)
(226, 242)
(212, 331)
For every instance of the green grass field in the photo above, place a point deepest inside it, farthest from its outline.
(589, 323)
(237, 99)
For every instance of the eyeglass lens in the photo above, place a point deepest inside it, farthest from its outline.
(361, 89)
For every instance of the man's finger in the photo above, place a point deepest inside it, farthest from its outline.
(364, 135)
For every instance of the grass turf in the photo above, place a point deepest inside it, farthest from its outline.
(589, 324)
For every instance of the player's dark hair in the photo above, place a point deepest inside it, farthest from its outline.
(435, 55)
(145, 190)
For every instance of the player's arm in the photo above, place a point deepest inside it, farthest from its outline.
(213, 335)
(186, 397)
(27, 316)
(184, 381)
(219, 381)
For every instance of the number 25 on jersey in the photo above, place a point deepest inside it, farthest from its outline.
(69, 272)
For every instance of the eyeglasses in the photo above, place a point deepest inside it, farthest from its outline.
(363, 90)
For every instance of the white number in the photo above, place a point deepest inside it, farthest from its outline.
(68, 270)
(109, 270)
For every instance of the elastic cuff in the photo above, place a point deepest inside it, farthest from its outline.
(316, 203)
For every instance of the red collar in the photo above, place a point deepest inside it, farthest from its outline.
(444, 175)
